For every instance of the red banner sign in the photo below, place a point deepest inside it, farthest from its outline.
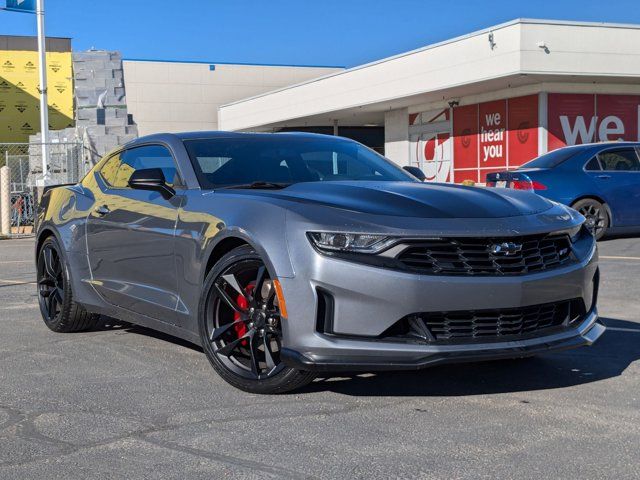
(465, 143)
(523, 130)
(493, 136)
(585, 118)
(504, 133)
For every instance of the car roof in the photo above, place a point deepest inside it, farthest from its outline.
(599, 145)
(167, 137)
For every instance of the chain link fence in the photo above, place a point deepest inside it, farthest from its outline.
(68, 163)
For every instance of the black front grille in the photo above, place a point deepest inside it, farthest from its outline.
(474, 256)
(488, 324)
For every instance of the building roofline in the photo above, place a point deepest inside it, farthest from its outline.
(35, 36)
(229, 63)
(517, 21)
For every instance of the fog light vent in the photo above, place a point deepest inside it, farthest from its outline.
(324, 311)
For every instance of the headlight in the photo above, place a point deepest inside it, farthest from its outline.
(585, 231)
(574, 233)
(349, 242)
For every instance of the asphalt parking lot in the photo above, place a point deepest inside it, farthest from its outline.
(128, 402)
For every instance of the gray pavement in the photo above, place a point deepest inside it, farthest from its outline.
(125, 402)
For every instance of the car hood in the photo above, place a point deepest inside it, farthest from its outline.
(411, 199)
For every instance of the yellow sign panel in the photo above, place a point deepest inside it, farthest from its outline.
(19, 97)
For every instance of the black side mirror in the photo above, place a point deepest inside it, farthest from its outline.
(416, 172)
(151, 179)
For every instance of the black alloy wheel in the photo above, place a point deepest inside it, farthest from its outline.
(241, 325)
(244, 321)
(597, 218)
(59, 310)
(51, 283)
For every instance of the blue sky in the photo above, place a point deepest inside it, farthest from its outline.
(299, 32)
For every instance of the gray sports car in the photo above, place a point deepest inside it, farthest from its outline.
(283, 255)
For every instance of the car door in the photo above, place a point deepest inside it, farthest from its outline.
(131, 235)
(619, 182)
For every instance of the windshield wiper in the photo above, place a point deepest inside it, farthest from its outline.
(259, 184)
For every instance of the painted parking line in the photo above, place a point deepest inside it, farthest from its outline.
(615, 257)
(16, 282)
(17, 261)
(622, 329)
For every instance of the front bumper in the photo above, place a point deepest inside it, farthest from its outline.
(369, 300)
(585, 334)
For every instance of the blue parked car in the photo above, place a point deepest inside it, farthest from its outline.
(601, 181)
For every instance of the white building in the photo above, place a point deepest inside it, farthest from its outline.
(165, 96)
(477, 103)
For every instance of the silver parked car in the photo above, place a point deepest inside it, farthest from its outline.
(283, 255)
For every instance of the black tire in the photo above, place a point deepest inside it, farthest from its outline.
(59, 311)
(232, 337)
(596, 214)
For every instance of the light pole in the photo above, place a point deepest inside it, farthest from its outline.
(44, 106)
(37, 7)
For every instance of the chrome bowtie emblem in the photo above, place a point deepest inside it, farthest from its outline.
(506, 248)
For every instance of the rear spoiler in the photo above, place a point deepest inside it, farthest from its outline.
(507, 176)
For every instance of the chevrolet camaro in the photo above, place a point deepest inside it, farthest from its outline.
(284, 255)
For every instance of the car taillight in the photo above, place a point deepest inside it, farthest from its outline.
(527, 185)
(521, 185)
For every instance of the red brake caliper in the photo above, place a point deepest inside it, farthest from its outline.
(241, 328)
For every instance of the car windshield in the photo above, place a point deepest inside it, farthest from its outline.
(551, 159)
(273, 161)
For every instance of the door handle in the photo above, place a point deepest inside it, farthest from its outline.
(102, 210)
(604, 177)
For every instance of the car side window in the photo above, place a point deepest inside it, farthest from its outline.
(109, 170)
(593, 165)
(621, 160)
(148, 156)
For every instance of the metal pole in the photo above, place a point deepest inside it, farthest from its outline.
(44, 108)
(22, 182)
(335, 154)
(5, 201)
(6, 162)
